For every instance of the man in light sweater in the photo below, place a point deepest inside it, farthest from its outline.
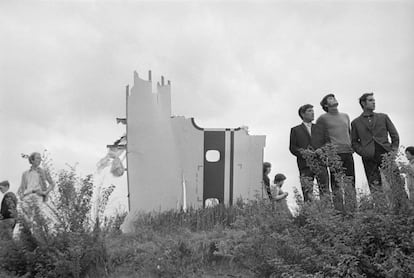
(338, 126)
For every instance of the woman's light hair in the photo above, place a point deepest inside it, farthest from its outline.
(32, 157)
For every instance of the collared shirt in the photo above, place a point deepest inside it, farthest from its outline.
(368, 116)
(410, 179)
(34, 179)
(308, 127)
(411, 168)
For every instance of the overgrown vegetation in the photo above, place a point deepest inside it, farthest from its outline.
(246, 240)
(72, 246)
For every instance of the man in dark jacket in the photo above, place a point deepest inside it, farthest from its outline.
(8, 212)
(308, 136)
(369, 133)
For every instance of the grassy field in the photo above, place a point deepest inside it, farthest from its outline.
(247, 240)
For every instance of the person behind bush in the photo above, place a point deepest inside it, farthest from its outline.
(408, 169)
(267, 166)
(34, 191)
(8, 213)
(280, 196)
(370, 139)
(308, 136)
(338, 127)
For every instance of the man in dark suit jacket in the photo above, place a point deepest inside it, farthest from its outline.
(369, 134)
(8, 212)
(308, 136)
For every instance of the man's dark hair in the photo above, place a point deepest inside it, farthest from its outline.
(5, 183)
(364, 97)
(324, 102)
(279, 177)
(410, 149)
(303, 109)
(266, 165)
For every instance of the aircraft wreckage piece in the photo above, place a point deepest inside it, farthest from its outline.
(174, 163)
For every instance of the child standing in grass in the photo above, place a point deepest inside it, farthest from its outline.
(408, 169)
(280, 196)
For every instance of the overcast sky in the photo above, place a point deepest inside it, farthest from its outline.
(64, 66)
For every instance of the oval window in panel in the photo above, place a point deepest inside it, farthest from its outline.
(212, 155)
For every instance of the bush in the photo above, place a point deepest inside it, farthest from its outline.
(245, 240)
(374, 240)
(320, 241)
(74, 246)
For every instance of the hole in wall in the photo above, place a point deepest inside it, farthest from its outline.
(211, 202)
(212, 155)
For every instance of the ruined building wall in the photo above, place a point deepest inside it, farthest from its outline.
(163, 152)
(152, 157)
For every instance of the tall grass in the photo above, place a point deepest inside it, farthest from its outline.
(193, 219)
(71, 246)
(249, 239)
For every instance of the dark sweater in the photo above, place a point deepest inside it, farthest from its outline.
(9, 206)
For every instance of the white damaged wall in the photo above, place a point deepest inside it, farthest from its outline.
(165, 152)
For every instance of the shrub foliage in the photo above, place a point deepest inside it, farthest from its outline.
(72, 246)
(249, 239)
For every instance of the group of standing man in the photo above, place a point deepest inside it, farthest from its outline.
(367, 135)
